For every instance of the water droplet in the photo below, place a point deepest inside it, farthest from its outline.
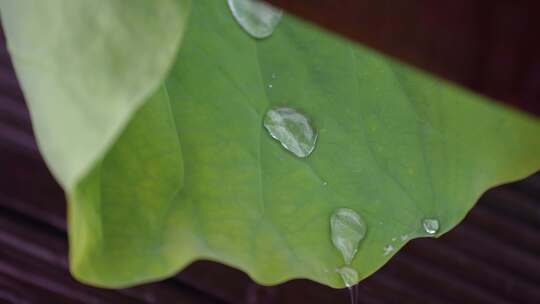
(292, 129)
(393, 239)
(388, 249)
(431, 226)
(347, 230)
(270, 86)
(348, 275)
(325, 183)
(257, 18)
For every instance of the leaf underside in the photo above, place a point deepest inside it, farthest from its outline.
(85, 67)
(194, 175)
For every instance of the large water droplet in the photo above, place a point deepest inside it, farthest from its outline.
(257, 18)
(347, 230)
(292, 129)
(348, 275)
(431, 226)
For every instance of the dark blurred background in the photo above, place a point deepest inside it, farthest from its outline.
(492, 257)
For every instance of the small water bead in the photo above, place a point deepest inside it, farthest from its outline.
(388, 249)
(347, 230)
(270, 86)
(292, 129)
(257, 18)
(431, 226)
(348, 275)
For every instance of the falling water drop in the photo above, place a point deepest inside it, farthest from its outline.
(348, 275)
(292, 129)
(431, 226)
(347, 230)
(257, 18)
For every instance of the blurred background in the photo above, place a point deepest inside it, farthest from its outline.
(492, 257)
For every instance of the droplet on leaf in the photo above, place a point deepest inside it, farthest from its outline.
(431, 226)
(257, 18)
(388, 249)
(292, 129)
(347, 230)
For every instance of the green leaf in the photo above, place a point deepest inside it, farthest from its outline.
(118, 214)
(395, 145)
(85, 67)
